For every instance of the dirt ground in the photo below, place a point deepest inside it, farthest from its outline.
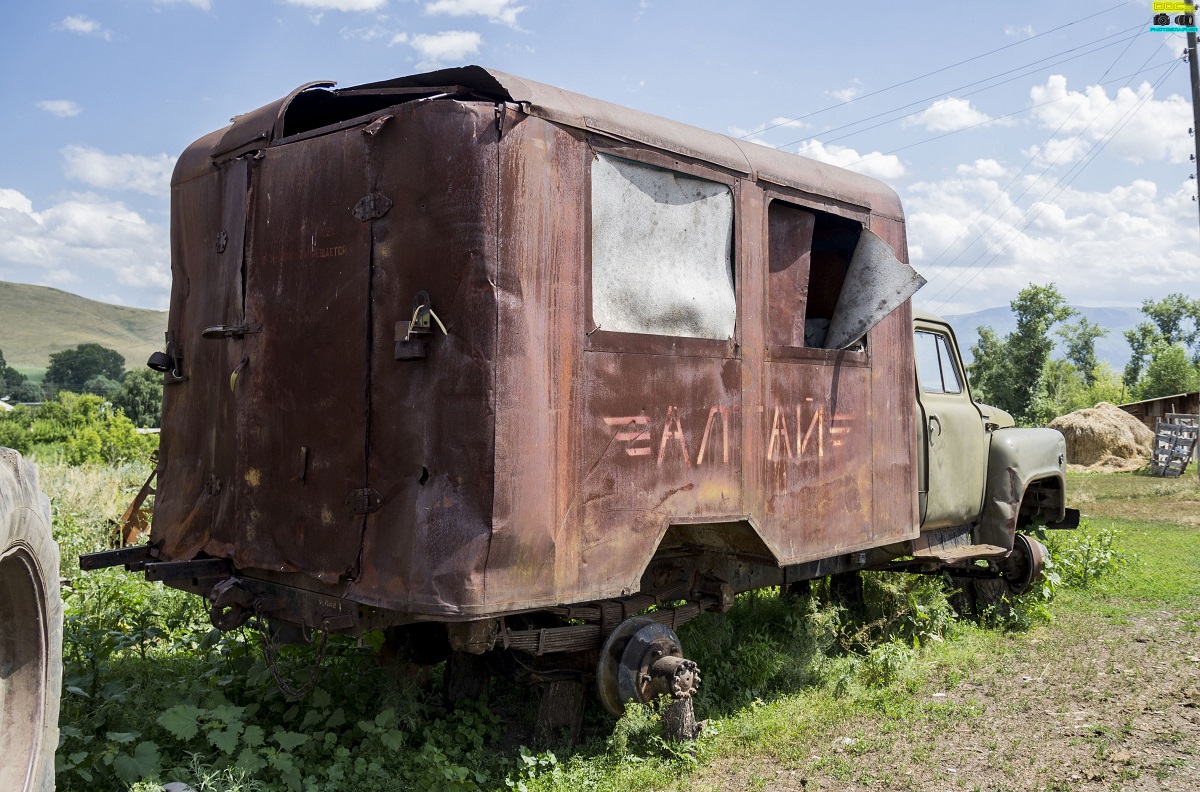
(1071, 708)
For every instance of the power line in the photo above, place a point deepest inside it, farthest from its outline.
(1131, 39)
(1030, 161)
(980, 235)
(941, 94)
(936, 71)
(879, 154)
(1088, 158)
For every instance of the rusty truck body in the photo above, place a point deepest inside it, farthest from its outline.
(464, 349)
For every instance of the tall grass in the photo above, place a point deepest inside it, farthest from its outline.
(153, 693)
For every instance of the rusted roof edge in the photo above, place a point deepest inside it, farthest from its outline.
(259, 128)
(586, 113)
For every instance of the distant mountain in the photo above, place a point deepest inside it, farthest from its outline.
(1112, 347)
(36, 321)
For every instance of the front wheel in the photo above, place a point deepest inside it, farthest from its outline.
(30, 630)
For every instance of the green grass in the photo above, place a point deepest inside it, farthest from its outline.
(41, 320)
(35, 374)
(897, 696)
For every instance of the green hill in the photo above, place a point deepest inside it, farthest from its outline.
(36, 321)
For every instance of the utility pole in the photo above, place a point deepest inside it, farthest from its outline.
(1194, 68)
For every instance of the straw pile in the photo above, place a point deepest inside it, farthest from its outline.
(1105, 438)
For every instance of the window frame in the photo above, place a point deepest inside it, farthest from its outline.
(597, 339)
(807, 202)
(941, 342)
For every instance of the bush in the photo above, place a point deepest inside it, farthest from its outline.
(140, 397)
(77, 429)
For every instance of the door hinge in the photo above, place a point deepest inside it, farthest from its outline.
(364, 501)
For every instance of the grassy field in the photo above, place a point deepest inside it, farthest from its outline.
(1092, 683)
(45, 320)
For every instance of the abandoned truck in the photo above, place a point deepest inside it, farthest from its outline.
(466, 356)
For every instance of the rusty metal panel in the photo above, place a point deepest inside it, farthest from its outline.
(535, 547)
(301, 388)
(432, 420)
(893, 394)
(198, 438)
(815, 423)
(661, 444)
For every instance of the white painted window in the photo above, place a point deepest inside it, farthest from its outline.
(662, 252)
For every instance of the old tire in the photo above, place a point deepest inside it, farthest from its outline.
(30, 630)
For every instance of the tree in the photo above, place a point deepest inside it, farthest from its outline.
(1141, 340)
(990, 373)
(1061, 389)
(1172, 315)
(140, 397)
(1175, 319)
(101, 385)
(1008, 373)
(71, 368)
(1080, 340)
(10, 378)
(28, 392)
(1169, 372)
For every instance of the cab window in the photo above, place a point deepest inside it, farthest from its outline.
(937, 370)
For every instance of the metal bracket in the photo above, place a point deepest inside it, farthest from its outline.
(219, 332)
(372, 206)
(132, 558)
(364, 501)
(196, 569)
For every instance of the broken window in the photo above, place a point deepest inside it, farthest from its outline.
(662, 252)
(809, 255)
(790, 232)
(834, 240)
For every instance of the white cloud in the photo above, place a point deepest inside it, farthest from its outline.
(12, 199)
(84, 26)
(339, 5)
(1023, 30)
(369, 33)
(81, 235)
(1108, 247)
(399, 38)
(63, 108)
(881, 166)
(502, 11)
(203, 5)
(982, 168)
(779, 122)
(448, 46)
(1084, 118)
(948, 115)
(849, 92)
(150, 175)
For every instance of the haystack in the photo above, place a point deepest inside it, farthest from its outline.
(1105, 438)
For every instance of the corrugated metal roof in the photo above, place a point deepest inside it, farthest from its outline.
(1162, 398)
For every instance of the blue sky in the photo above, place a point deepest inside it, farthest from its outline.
(1039, 141)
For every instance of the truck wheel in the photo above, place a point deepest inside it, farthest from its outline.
(30, 630)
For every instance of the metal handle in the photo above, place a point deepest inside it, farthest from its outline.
(933, 419)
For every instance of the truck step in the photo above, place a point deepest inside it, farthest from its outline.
(959, 552)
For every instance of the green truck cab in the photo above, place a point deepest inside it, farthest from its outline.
(983, 481)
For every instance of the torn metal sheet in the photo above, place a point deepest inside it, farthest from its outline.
(877, 283)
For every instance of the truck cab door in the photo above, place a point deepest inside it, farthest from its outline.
(952, 439)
